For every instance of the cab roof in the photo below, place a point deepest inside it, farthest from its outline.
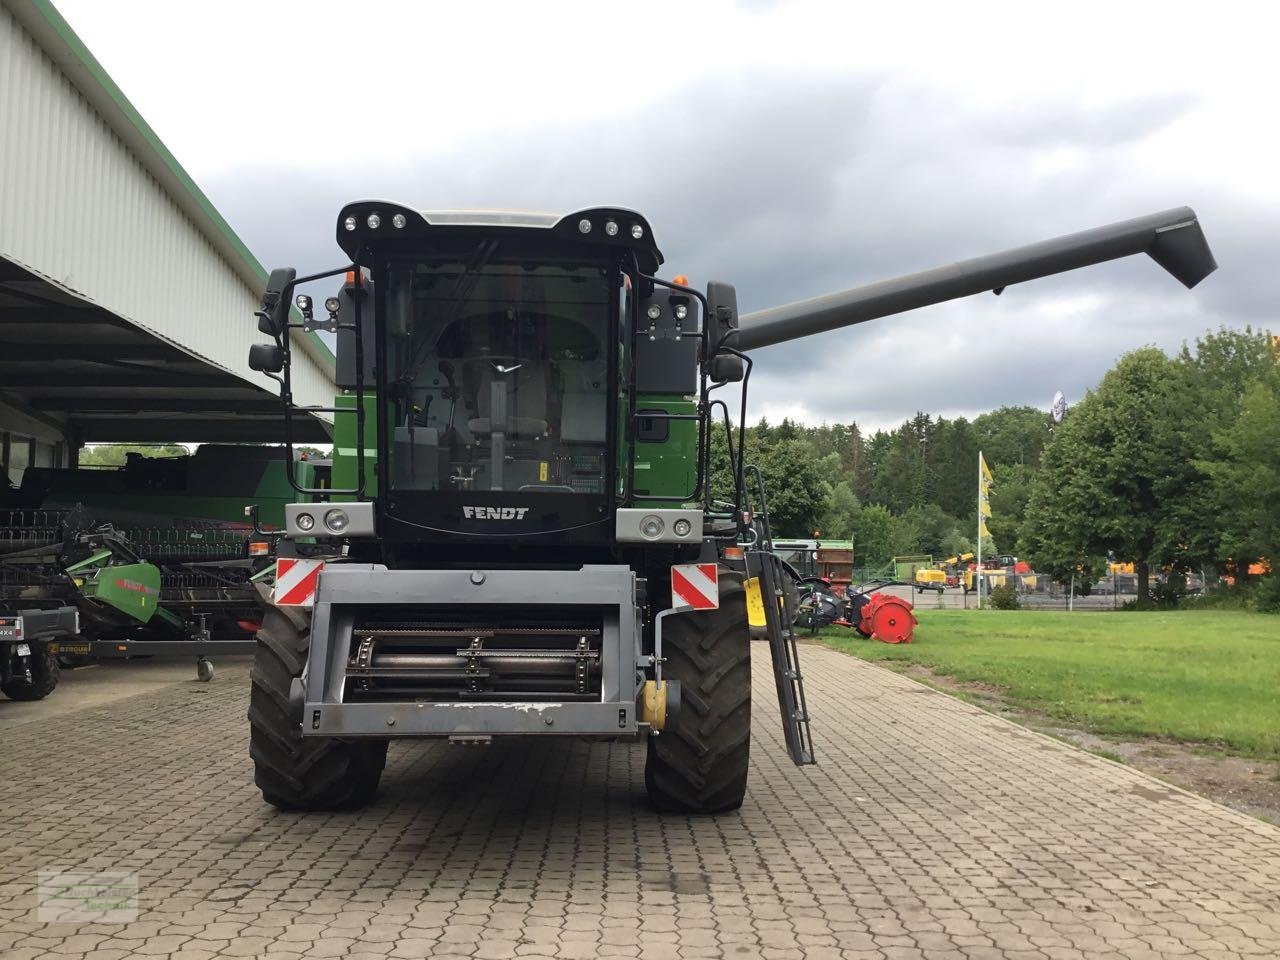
(364, 223)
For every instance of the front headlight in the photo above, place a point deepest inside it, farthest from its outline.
(305, 521)
(336, 520)
(651, 527)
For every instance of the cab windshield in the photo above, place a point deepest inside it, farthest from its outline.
(499, 372)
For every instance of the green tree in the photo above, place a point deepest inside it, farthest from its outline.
(900, 479)
(1012, 435)
(1105, 476)
(843, 440)
(1212, 382)
(927, 529)
(797, 494)
(952, 460)
(875, 536)
(840, 514)
(874, 451)
(1244, 477)
(114, 454)
(793, 476)
(1056, 528)
(1010, 495)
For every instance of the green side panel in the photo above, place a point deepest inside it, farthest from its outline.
(904, 568)
(345, 463)
(131, 588)
(215, 483)
(93, 560)
(667, 467)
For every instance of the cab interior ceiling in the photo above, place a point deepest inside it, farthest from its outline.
(100, 378)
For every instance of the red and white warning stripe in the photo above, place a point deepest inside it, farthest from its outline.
(695, 585)
(296, 582)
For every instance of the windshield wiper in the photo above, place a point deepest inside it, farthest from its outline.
(461, 291)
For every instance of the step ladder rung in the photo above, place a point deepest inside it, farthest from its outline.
(785, 654)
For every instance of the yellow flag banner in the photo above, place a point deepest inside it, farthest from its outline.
(982, 529)
(984, 507)
(986, 472)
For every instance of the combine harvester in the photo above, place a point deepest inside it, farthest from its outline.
(522, 538)
(155, 557)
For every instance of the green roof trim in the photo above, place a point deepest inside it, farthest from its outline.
(95, 71)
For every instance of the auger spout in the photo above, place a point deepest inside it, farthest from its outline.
(1172, 239)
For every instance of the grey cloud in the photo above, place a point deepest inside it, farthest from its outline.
(796, 183)
(1069, 123)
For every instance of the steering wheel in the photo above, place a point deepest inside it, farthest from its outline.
(499, 363)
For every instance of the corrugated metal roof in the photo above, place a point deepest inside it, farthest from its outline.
(98, 378)
(123, 292)
(61, 44)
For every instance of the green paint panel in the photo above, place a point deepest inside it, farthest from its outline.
(666, 467)
(345, 463)
(131, 588)
(216, 483)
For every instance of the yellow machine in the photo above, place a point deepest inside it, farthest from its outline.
(998, 578)
(933, 579)
(995, 578)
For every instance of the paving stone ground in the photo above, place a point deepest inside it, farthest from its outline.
(930, 829)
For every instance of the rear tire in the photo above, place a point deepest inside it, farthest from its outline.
(44, 677)
(296, 773)
(698, 764)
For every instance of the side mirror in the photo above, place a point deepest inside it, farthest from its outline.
(726, 368)
(266, 358)
(273, 315)
(722, 316)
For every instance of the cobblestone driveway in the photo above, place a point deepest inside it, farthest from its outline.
(930, 829)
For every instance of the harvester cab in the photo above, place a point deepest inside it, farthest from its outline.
(520, 537)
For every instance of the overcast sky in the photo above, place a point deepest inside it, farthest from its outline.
(791, 149)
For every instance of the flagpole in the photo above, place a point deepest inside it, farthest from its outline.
(977, 574)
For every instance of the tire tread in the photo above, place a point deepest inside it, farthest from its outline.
(699, 763)
(294, 773)
(45, 673)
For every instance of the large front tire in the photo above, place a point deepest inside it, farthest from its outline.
(698, 764)
(45, 672)
(293, 772)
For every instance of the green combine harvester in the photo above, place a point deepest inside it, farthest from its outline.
(521, 538)
(154, 557)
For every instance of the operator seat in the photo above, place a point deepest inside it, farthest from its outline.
(583, 417)
(526, 400)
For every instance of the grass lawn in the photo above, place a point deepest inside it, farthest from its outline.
(1201, 676)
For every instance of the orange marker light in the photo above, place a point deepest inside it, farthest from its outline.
(734, 553)
(681, 280)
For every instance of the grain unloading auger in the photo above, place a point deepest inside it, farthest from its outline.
(1172, 239)
(521, 538)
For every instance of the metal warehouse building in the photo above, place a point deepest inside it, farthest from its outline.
(126, 301)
